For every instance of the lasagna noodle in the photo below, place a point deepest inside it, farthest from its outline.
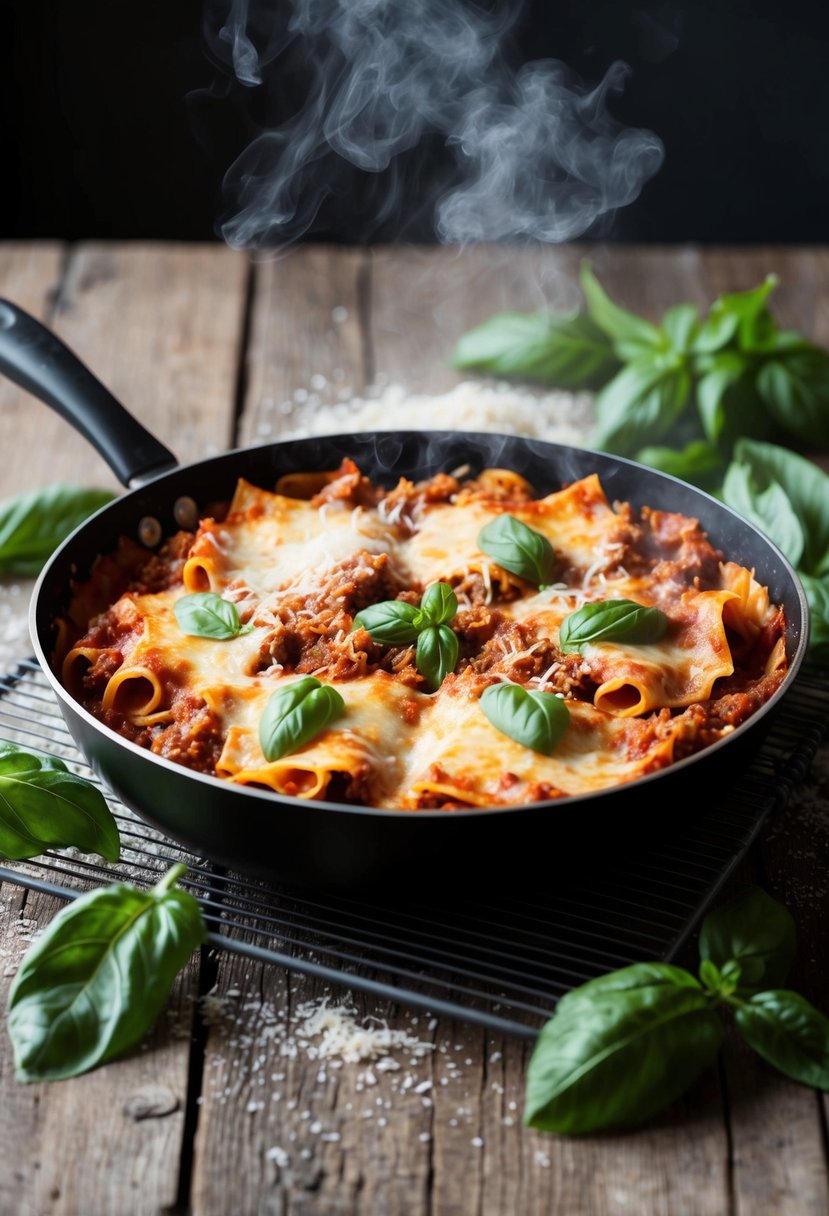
(366, 744)
(461, 758)
(270, 541)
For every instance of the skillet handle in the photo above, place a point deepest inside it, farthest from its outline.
(36, 359)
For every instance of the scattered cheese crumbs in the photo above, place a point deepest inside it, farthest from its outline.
(279, 1156)
(556, 415)
(340, 1034)
(476, 1142)
(543, 1160)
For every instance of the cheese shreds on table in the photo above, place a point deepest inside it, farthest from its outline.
(556, 415)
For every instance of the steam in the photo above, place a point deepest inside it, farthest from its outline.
(391, 86)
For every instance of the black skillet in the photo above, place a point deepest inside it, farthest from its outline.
(273, 837)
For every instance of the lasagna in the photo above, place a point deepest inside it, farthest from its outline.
(453, 643)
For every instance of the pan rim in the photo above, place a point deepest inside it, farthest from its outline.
(342, 439)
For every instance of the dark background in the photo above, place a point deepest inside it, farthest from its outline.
(117, 124)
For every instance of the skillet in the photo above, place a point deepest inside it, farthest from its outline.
(323, 843)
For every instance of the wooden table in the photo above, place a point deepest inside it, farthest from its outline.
(205, 347)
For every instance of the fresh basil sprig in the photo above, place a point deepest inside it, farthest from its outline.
(532, 718)
(45, 806)
(296, 714)
(622, 1047)
(207, 615)
(396, 623)
(611, 620)
(33, 525)
(691, 396)
(91, 987)
(518, 548)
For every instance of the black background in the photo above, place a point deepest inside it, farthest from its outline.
(116, 124)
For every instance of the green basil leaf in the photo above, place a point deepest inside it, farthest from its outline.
(795, 388)
(439, 604)
(207, 615)
(566, 350)
(619, 324)
(437, 653)
(297, 713)
(614, 1055)
(44, 806)
(739, 318)
(391, 623)
(698, 462)
(789, 1033)
(642, 403)
(817, 593)
(755, 931)
(727, 401)
(519, 549)
(534, 719)
(91, 987)
(769, 509)
(611, 620)
(680, 324)
(33, 525)
(807, 489)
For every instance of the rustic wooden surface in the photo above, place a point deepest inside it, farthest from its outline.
(210, 1117)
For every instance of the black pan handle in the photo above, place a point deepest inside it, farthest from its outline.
(36, 359)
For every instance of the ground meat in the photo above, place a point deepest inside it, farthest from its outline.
(193, 738)
(349, 486)
(163, 569)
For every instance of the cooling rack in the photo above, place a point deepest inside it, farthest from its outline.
(500, 960)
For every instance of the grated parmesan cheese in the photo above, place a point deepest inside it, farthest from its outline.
(486, 405)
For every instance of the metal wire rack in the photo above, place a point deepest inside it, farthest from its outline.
(501, 960)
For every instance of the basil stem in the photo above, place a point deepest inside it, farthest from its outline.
(519, 549)
(755, 931)
(620, 1048)
(33, 525)
(92, 986)
(43, 806)
(297, 713)
(396, 623)
(534, 719)
(207, 615)
(611, 620)
(436, 654)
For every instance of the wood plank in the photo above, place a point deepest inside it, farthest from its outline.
(306, 337)
(161, 326)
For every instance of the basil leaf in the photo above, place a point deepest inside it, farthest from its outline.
(755, 931)
(297, 713)
(436, 654)
(727, 401)
(807, 489)
(718, 981)
(769, 509)
(567, 350)
(619, 324)
(519, 549)
(619, 1049)
(641, 403)
(611, 620)
(699, 462)
(207, 615)
(817, 593)
(795, 388)
(92, 986)
(789, 1033)
(739, 317)
(439, 604)
(680, 324)
(391, 623)
(44, 806)
(534, 719)
(33, 525)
